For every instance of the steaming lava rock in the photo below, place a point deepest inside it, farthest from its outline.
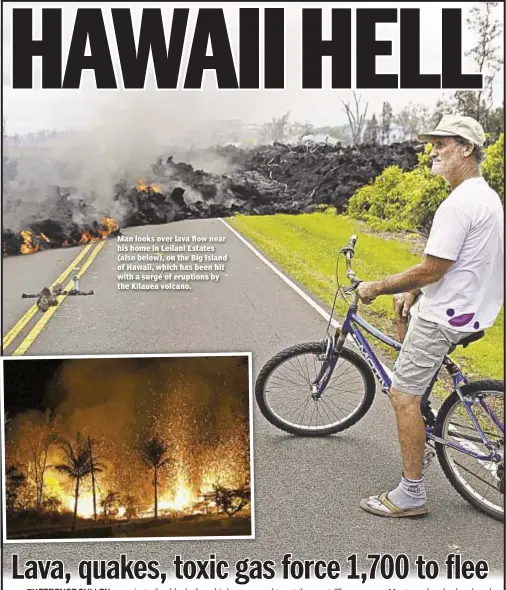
(266, 180)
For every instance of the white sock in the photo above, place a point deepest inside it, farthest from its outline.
(410, 493)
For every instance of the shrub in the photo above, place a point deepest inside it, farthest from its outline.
(407, 201)
(400, 201)
(493, 166)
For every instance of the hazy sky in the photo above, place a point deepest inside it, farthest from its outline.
(31, 110)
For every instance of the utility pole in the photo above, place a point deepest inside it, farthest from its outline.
(93, 481)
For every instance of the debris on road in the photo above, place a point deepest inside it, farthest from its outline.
(47, 298)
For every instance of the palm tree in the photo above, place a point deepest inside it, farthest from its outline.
(152, 452)
(77, 465)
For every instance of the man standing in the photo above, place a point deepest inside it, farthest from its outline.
(458, 288)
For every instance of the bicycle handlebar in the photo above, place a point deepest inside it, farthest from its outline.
(350, 248)
(349, 252)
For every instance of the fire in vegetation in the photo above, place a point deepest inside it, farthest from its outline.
(127, 441)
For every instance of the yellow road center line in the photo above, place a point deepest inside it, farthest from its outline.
(19, 326)
(40, 325)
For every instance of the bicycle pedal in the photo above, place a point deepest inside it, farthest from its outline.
(428, 455)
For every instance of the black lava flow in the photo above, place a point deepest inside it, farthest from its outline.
(266, 180)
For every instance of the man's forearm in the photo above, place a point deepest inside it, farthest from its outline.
(411, 280)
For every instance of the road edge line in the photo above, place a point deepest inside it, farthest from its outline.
(292, 285)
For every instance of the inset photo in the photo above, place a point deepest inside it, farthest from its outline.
(127, 448)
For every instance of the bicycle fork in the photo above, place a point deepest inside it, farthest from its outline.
(330, 359)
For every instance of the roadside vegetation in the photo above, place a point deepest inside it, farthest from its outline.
(407, 201)
(306, 246)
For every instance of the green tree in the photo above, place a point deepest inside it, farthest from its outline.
(493, 166)
(496, 121)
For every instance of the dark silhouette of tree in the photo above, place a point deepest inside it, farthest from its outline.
(130, 504)
(229, 500)
(153, 453)
(15, 481)
(77, 466)
(39, 435)
(52, 504)
(110, 504)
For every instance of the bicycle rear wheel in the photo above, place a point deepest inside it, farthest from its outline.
(283, 391)
(479, 482)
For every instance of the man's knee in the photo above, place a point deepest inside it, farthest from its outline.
(404, 402)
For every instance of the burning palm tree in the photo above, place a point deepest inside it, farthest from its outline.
(153, 452)
(77, 465)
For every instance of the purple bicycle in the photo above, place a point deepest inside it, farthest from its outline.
(322, 388)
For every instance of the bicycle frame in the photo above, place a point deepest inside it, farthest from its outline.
(351, 327)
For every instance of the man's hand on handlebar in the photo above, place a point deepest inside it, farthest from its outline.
(368, 292)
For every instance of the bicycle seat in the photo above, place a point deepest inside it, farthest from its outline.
(472, 338)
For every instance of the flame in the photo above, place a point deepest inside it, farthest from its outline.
(86, 237)
(183, 497)
(143, 187)
(109, 226)
(33, 242)
(30, 243)
(84, 505)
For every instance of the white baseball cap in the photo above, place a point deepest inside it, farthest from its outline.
(452, 125)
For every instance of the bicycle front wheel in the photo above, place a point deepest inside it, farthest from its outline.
(479, 482)
(283, 391)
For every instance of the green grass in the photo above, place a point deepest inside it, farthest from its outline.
(305, 246)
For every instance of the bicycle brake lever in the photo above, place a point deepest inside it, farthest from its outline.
(349, 290)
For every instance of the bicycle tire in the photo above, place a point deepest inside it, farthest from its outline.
(449, 404)
(317, 348)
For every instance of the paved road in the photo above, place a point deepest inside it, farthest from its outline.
(306, 491)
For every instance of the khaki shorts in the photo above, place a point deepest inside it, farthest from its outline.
(423, 350)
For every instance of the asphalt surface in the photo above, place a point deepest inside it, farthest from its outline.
(306, 491)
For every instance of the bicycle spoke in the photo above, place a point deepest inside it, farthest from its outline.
(289, 391)
(474, 474)
(477, 477)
